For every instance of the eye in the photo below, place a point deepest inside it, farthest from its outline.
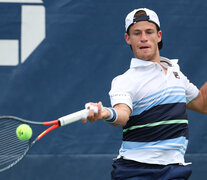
(136, 33)
(149, 31)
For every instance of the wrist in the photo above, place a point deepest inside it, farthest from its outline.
(113, 115)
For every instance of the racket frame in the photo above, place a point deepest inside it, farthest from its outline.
(65, 120)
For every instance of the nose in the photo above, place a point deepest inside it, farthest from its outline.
(143, 37)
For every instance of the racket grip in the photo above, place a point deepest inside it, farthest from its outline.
(70, 118)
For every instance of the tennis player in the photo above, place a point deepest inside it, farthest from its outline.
(149, 100)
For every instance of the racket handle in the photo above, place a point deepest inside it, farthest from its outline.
(70, 118)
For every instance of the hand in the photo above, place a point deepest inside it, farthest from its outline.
(102, 113)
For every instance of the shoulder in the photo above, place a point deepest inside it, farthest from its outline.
(174, 63)
(170, 62)
(124, 78)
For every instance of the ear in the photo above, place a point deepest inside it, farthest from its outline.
(127, 39)
(159, 36)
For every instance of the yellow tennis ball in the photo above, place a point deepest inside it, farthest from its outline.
(24, 132)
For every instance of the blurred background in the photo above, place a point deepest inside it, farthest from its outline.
(57, 55)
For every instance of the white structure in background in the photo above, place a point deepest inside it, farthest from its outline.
(32, 33)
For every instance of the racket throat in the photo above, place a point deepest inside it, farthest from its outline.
(57, 124)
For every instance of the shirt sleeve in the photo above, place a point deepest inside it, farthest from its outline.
(191, 90)
(119, 93)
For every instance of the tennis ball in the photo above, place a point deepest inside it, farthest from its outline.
(24, 132)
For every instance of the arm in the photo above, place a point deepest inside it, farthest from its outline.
(199, 104)
(123, 112)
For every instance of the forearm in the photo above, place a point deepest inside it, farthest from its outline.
(203, 92)
(123, 113)
(199, 104)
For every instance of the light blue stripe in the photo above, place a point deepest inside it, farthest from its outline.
(157, 97)
(159, 92)
(177, 144)
(172, 149)
(162, 149)
(168, 100)
(135, 145)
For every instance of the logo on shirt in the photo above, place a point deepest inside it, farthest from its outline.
(176, 75)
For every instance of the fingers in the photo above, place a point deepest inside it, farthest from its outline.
(95, 112)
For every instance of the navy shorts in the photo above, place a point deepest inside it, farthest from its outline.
(132, 170)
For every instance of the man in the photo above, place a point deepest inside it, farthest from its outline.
(149, 101)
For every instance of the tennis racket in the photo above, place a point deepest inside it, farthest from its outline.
(12, 149)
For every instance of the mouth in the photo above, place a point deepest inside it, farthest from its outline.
(144, 47)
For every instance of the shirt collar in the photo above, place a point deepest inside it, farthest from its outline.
(141, 63)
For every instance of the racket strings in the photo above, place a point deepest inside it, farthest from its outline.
(11, 148)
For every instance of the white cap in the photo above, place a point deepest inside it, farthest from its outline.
(151, 17)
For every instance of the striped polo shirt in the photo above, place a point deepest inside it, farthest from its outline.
(157, 131)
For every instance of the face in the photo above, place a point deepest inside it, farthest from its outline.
(143, 38)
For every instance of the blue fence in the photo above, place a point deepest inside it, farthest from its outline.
(57, 55)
